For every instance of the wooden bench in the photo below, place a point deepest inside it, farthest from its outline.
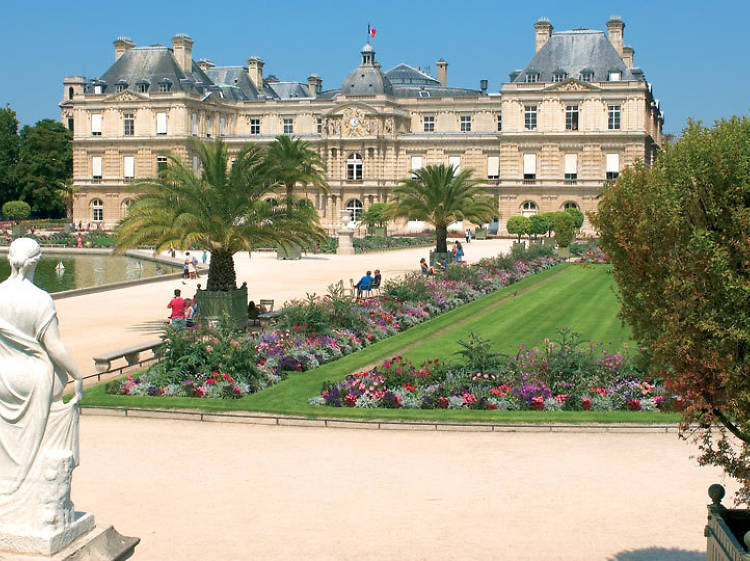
(103, 361)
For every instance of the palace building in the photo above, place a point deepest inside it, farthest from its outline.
(575, 116)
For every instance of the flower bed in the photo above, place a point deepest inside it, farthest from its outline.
(589, 252)
(562, 376)
(218, 362)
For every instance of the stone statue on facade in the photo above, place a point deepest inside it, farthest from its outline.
(38, 432)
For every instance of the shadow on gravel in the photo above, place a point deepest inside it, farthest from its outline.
(658, 554)
(149, 326)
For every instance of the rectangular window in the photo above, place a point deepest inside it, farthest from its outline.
(455, 163)
(429, 123)
(128, 121)
(571, 168)
(98, 90)
(128, 168)
(613, 117)
(96, 167)
(499, 122)
(222, 126)
(142, 88)
(493, 167)
(195, 124)
(613, 166)
(571, 118)
(96, 124)
(465, 123)
(532, 78)
(161, 123)
(320, 125)
(416, 164)
(161, 165)
(70, 124)
(254, 126)
(288, 126)
(529, 168)
(529, 117)
(208, 127)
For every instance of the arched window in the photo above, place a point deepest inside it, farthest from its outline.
(571, 204)
(354, 168)
(529, 208)
(124, 206)
(70, 92)
(354, 206)
(97, 210)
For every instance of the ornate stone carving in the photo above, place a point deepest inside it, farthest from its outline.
(354, 122)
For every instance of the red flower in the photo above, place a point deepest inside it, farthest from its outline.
(586, 404)
(634, 405)
(489, 406)
(210, 381)
(537, 403)
(442, 403)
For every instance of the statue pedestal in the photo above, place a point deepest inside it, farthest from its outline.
(102, 543)
(346, 245)
(49, 542)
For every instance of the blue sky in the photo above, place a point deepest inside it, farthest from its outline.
(694, 53)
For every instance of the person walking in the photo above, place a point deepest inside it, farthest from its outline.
(186, 266)
(459, 252)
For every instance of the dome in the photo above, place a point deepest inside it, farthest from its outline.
(367, 78)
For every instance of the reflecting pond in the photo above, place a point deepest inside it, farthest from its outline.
(82, 271)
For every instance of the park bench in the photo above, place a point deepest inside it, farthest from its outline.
(130, 354)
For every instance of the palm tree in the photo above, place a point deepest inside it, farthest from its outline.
(440, 196)
(67, 194)
(291, 162)
(222, 210)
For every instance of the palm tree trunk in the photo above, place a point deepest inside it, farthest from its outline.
(441, 235)
(289, 193)
(221, 275)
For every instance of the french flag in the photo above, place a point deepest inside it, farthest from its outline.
(370, 31)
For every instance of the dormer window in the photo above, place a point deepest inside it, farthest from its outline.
(141, 86)
(615, 75)
(586, 75)
(559, 76)
(165, 86)
(532, 77)
(121, 86)
(98, 89)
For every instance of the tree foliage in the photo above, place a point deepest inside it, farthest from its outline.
(290, 162)
(45, 161)
(539, 224)
(16, 210)
(519, 225)
(10, 144)
(678, 235)
(439, 195)
(375, 215)
(222, 210)
(562, 224)
(577, 216)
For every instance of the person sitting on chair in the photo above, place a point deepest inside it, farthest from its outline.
(364, 284)
(253, 311)
(377, 279)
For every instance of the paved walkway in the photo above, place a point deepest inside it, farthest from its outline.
(105, 321)
(197, 491)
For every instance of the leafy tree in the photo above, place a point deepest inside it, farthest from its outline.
(548, 218)
(562, 224)
(45, 161)
(577, 216)
(16, 210)
(678, 235)
(290, 162)
(538, 224)
(440, 196)
(223, 210)
(519, 225)
(10, 144)
(375, 215)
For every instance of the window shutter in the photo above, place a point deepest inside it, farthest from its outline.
(455, 163)
(613, 163)
(529, 164)
(96, 123)
(416, 163)
(493, 166)
(195, 124)
(161, 123)
(129, 166)
(96, 166)
(571, 163)
(223, 126)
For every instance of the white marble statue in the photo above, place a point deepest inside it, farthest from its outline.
(38, 432)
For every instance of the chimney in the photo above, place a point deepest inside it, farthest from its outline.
(615, 27)
(205, 64)
(483, 86)
(255, 71)
(442, 72)
(543, 29)
(182, 46)
(627, 56)
(314, 85)
(122, 44)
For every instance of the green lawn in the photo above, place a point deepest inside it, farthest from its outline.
(578, 297)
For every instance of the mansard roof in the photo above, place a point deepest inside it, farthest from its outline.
(406, 75)
(234, 83)
(289, 90)
(153, 65)
(572, 52)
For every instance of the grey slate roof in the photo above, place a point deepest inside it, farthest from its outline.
(289, 90)
(367, 78)
(572, 52)
(406, 75)
(153, 65)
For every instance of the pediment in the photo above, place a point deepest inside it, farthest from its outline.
(125, 95)
(571, 85)
(349, 107)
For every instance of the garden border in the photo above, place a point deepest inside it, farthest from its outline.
(269, 419)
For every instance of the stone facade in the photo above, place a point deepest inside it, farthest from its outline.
(576, 115)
